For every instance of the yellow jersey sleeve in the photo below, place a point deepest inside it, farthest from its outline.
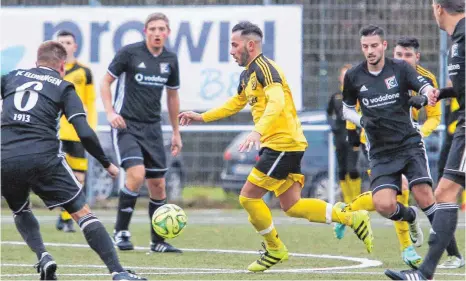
(433, 113)
(230, 107)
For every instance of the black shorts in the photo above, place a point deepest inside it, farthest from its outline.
(75, 155)
(141, 144)
(277, 171)
(455, 167)
(278, 164)
(48, 176)
(386, 170)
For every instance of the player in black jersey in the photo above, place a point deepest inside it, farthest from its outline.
(143, 70)
(395, 146)
(347, 156)
(33, 102)
(450, 17)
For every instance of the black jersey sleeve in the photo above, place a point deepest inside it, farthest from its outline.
(119, 63)
(267, 74)
(89, 140)
(3, 84)
(416, 81)
(72, 104)
(350, 94)
(174, 78)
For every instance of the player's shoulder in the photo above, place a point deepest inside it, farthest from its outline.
(169, 54)
(87, 71)
(267, 70)
(133, 47)
(425, 72)
(357, 69)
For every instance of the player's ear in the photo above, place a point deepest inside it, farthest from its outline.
(418, 57)
(61, 68)
(385, 45)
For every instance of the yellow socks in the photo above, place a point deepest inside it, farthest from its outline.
(354, 186)
(314, 210)
(65, 215)
(402, 227)
(346, 191)
(261, 218)
(363, 202)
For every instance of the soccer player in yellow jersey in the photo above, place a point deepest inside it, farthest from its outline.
(407, 49)
(81, 77)
(278, 134)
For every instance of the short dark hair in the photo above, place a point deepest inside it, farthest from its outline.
(157, 16)
(452, 6)
(371, 30)
(51, 54)
(247, 27)
(408, 42)
(66, 33)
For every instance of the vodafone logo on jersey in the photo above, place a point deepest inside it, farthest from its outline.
(381, 100)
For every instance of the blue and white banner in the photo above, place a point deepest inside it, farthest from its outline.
(199, 35)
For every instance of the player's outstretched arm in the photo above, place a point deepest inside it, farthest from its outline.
(188, 116)
(89, 139)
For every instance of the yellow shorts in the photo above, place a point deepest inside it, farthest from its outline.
(277, 170)
(75, 155)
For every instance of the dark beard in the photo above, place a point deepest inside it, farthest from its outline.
(376, 62)
(244, 57)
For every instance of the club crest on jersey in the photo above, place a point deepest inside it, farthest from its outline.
(391, 82)
(164, 67)
(252, 100)
(253, 82)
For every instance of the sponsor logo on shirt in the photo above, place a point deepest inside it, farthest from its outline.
(381, 100)
(391, 82)
(150, 80)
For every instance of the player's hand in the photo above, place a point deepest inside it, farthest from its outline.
(176, 144)
(113, 171)
(418, 101)
(188, 116)
(116, 121)
(432, 96)
(369, 123)
(253, 139)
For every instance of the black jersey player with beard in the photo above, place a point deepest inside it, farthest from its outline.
(395, 146)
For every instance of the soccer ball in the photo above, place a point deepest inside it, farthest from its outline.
(169, 221)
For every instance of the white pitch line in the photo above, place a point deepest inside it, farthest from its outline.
(224, 271)
(363, 262)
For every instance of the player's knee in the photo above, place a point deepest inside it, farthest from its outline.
(423, 195)
(157, 188)
(135, 177)
(26, 208)
(444, 194)
(385, 207)
(76, 205)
